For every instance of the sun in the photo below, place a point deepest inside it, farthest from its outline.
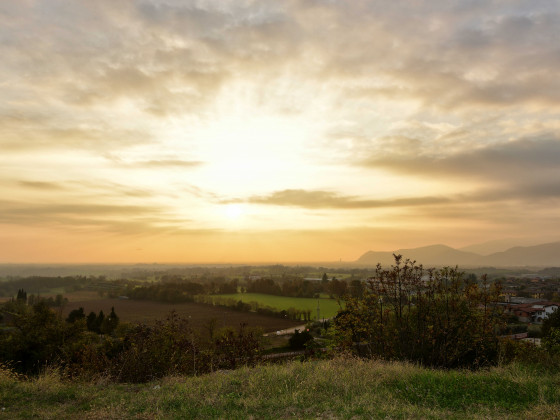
(245, 154)
(234, 211)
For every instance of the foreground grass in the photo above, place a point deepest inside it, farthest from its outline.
(339, 388)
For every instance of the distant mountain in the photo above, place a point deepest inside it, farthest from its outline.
(427, 255)
(491, 247)
(544, 255)
(374, 257)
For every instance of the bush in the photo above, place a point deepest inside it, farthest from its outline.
(529, 355)
(172, 347)
(552, 321)
(551, 341)
(36, 336)
(433, 317)
(299, 339)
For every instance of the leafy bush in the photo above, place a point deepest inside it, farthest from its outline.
(35, 337)
(172, 347)
(551, 341)
(434, 317)
(299, 339)
(552, 321)
(529, 355)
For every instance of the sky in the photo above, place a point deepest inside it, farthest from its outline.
(275, 131)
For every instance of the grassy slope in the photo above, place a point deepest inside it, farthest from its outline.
(340, 388)
(329, 307)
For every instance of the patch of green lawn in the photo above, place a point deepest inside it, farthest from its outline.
(328, 307)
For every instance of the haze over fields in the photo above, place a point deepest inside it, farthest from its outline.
(245, 131)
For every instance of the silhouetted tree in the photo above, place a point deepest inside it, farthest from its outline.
(21, 296)
(109, 323)
(75, 315)
(91, 321)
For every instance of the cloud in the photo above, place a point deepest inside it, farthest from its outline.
(79, 190)
(23, 210)
(166, 163)
(154, 163)
(28, 130)
(329, 200)
(126, 219)
(173, 58)
(522, 162)
(40, 185)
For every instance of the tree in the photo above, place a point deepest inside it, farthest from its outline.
(76, 314)
(299, 339)
(99, 321)
(337, 287)
(109, 323)
(60, 301)
(91, 321)
(21, 296)
(357, 288)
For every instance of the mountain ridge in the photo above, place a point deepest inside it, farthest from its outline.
(542, 255)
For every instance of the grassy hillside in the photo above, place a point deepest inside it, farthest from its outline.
(329, 307)
(339, 388)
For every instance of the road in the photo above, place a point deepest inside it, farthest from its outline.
(287, 331)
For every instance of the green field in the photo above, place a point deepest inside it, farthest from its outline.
(328, 307)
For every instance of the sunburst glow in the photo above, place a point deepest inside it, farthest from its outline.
(233, 211)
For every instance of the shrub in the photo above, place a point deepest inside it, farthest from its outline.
(299, 339)
(36, 336)
(429, 316)
(529, 355)
(551, 341)
(172, 347)
(552, 321)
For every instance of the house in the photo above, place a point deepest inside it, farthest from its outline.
(534, 312)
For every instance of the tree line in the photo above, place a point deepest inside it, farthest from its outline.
(42, 284)
(176, 288)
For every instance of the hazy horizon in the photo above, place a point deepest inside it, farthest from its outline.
(238, 131)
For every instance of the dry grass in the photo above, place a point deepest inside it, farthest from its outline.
(344, 387)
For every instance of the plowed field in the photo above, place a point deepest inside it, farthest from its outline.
(148, 312)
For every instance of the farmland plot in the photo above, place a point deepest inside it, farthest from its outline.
(148, 312)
